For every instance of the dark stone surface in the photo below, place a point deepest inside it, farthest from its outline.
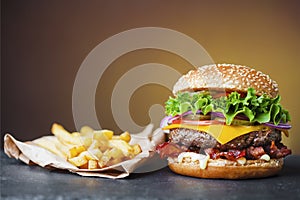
(19, 181)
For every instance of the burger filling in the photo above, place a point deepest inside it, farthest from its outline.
(251, 146)
(263, 116)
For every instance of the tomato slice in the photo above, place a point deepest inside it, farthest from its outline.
(197, 123)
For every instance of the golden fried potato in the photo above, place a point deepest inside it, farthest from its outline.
(86, 130)
(91, 149)
(78, 161)
(121, 145)
(64, 136)
(92, 164)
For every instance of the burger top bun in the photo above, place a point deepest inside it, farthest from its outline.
(228, 77)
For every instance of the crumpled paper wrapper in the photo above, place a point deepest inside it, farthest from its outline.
(31, 153)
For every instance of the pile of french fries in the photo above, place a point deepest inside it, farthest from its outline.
(90, 149)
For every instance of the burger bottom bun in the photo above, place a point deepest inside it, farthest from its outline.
(225, 169)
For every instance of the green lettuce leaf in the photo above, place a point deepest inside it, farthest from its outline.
(260, 109)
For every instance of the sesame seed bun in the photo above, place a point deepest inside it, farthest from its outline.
(228, 77)
(225, 169)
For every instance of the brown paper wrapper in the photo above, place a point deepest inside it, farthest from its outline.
(31, 153)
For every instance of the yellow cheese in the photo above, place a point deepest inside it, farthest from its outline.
(222, 133)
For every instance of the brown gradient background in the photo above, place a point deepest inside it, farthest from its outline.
(43, 44)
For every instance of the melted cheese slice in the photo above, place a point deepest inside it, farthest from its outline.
(222, 133)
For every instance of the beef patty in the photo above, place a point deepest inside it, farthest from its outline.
(199, 140)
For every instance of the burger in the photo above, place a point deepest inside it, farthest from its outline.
(225, 122)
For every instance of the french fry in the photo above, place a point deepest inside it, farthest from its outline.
(122, 145)
(94, 145)
(86, 141)
(72, 152)
(78, 161)
(95, 150)
(104, 159)
(102, 138)
(86, 135)
(64, 136)
(63, 149)
(76, 150)
(82, 158)
(88, 155)
(125, 136)
(136, 149)
(91, 149)
(96, 153)
(116, 137)
(115, 153)
(108, 133)
(86, 130)
(103, 135)
(92, 164)
(75, 134)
